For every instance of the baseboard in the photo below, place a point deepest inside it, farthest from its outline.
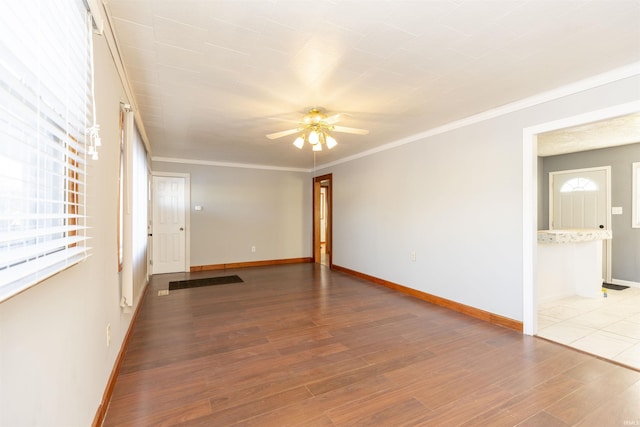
(106, 397)
(196, 268)
(625, 283)
(496, 319)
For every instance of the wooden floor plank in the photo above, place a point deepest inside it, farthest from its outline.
(301, 345)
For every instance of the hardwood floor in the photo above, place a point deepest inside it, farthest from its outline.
(301, 345)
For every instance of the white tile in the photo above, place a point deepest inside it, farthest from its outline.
(604, 344)
(596, 319)
(565, 302)
(621, 308)
(565, 333)
(586, 304)
(607, 327)
(547, 304)
(624, 328)
(545, 321)
(178, 34)
(634, 318)
(462, 42)
(135, 32)
(630, 356)
(560, 312)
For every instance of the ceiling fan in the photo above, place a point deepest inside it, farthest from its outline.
(315, 128)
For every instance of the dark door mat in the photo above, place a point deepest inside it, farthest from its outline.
(614, 287)
(209, 281)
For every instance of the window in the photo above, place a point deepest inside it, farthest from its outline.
(578, 184)
(635, 196)
(45, 81)
(134, 209)
(121, 196)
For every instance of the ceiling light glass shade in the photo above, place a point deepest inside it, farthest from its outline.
(299, 142)
(331, 142)
(314, 138)
(317, 147)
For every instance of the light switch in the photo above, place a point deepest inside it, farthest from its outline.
(197, 208)
(616, 210)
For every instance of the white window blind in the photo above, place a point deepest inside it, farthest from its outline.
(45, 110)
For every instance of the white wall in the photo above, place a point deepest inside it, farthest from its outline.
(54, 361)
(241, 208)
(456, 199)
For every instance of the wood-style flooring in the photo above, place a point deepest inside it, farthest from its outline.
(300, 345)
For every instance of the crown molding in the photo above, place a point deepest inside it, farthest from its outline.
(228, 164)
(617, 74)
(614, 75)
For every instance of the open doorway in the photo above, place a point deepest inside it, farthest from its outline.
(322, 220)
(531, 188)
(593, 325)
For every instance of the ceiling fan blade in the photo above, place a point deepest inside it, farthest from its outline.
(283, 133)
(335, 118)
(354, 131)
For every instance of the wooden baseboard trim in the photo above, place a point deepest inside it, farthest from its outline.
(211, 267)
(496, 319)
(106, 397)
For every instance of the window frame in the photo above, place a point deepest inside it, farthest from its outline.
(121, 195)
(635, 195)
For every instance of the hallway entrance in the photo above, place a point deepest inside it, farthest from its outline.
(322, 216)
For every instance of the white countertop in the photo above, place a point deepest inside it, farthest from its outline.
(573, 236)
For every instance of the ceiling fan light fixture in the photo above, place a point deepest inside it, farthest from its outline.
(314, 137)
(299, 142)
(316, 127)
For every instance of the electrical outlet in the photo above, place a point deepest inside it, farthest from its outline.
(253, 248)
(108, 334)
(413, 255)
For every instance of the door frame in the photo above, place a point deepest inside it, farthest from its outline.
(317, 184)
(530, 200)
(607, 242)
(187, 214)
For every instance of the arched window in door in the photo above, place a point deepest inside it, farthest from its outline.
(578, 184)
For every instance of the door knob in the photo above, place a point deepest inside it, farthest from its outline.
(182, 229)
(601, 226)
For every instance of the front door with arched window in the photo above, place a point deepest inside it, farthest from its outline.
(579, 199)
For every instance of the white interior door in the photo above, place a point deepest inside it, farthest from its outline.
(169, 225)
(579, 199)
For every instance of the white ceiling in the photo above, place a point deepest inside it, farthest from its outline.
(605, 133)
(211, 78)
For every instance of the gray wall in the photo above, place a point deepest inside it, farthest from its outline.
(456, 199)
(241, 208)
(626, 240)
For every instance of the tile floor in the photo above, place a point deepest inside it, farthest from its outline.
(607, 327)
